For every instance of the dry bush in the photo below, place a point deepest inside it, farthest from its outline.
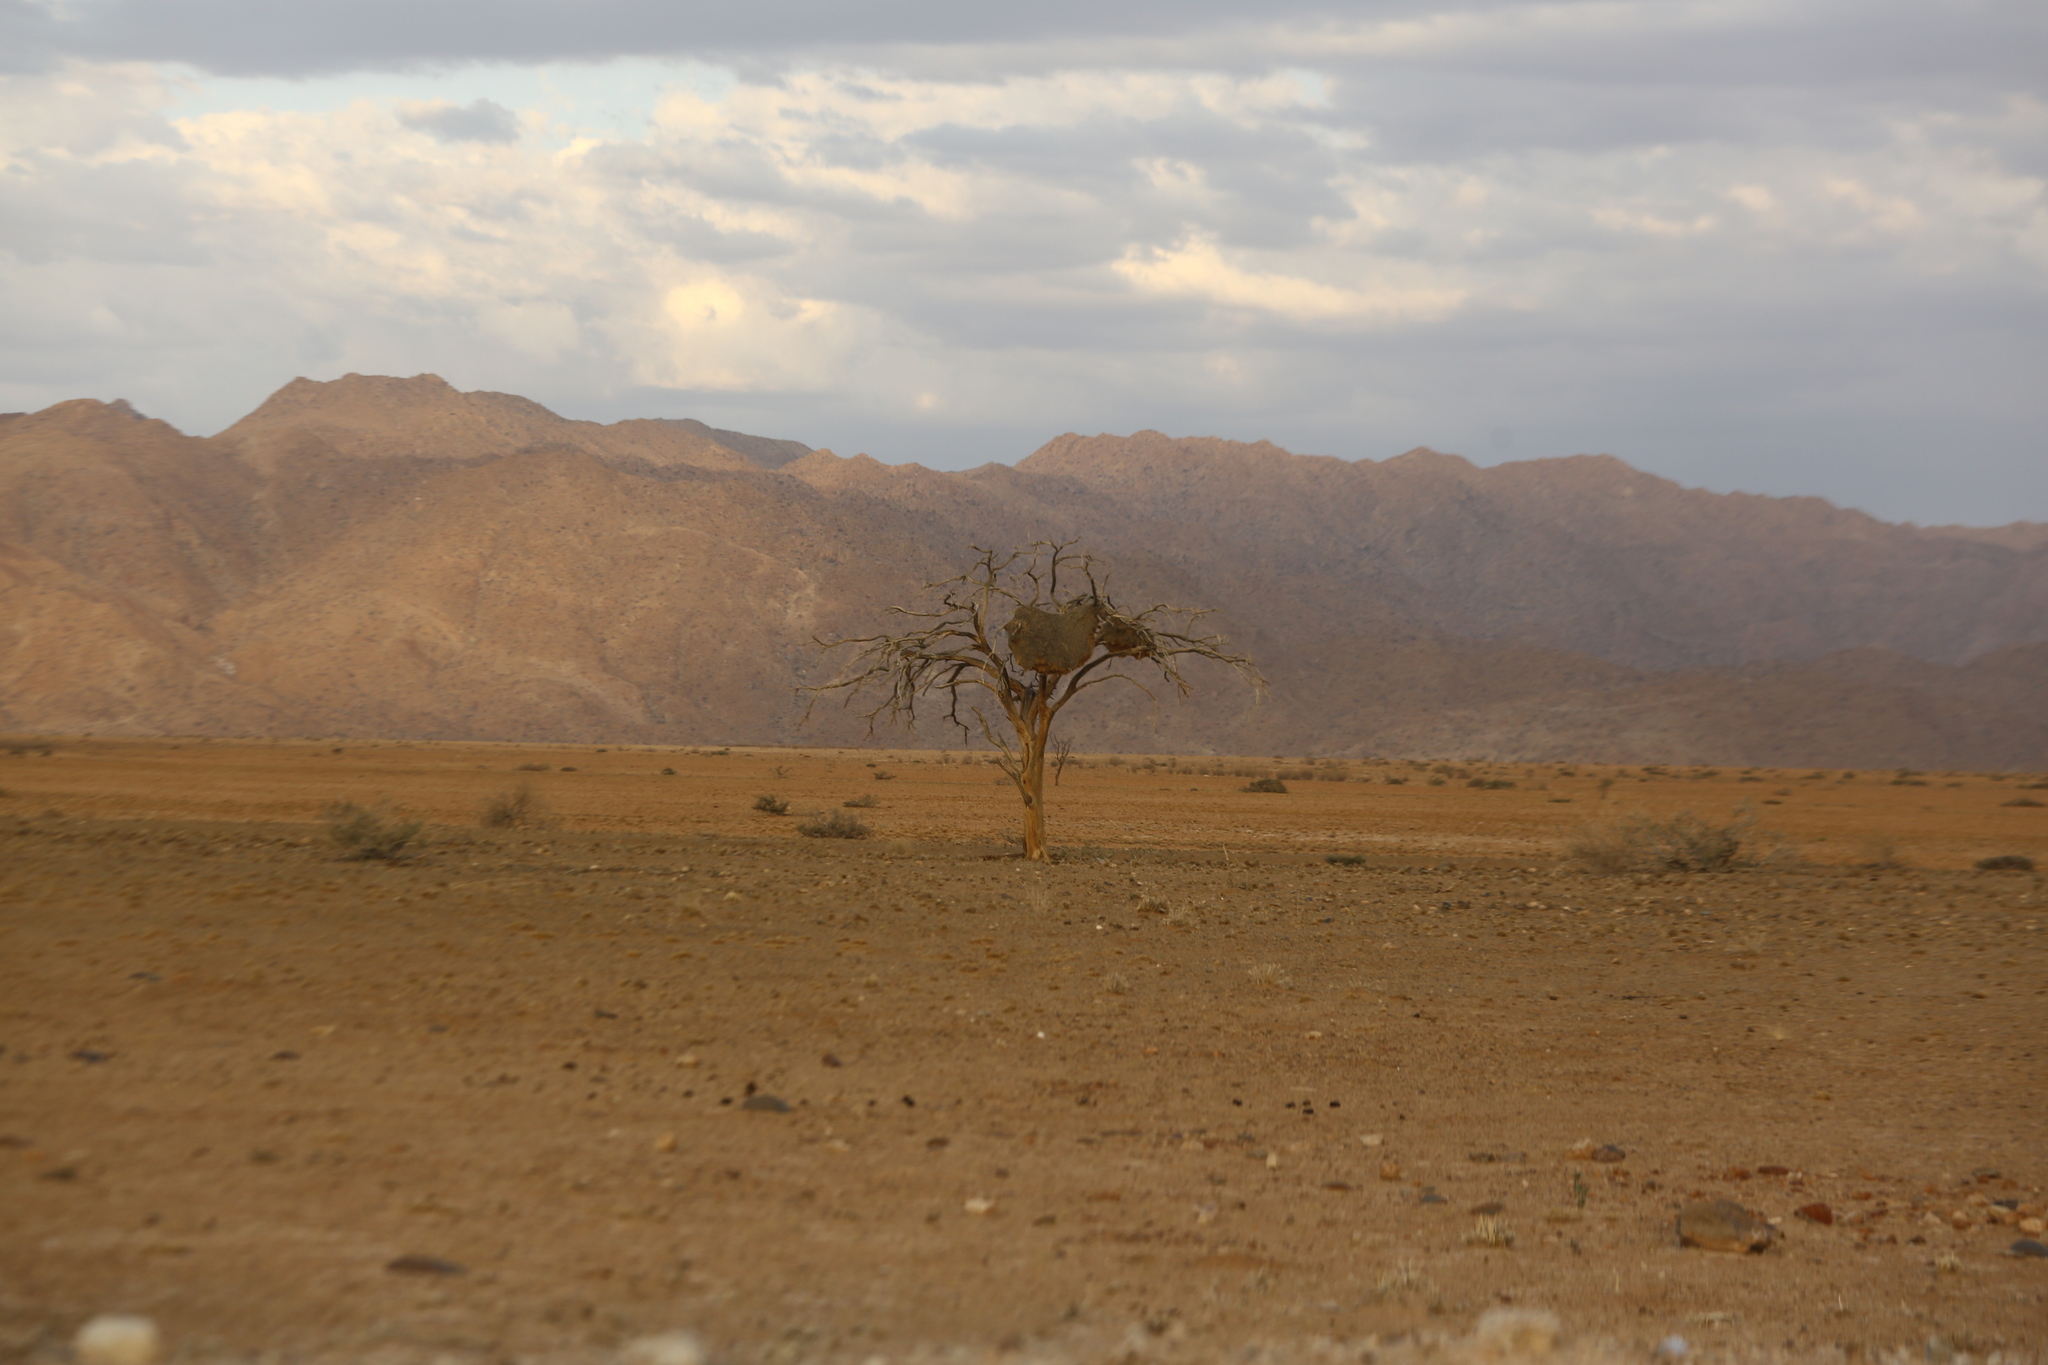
(1684, 843)
(1490, 784)
(771, 805)
(1269, 974)
(1295, 775)
(2006, 862)
(837, 825)
(519, 808)
(369, 834)
(1265, 784)
(865, 802)
(1333, 775)
(531, 768)
(2020, 801)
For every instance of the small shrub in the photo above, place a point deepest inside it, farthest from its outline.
(1395, 781)
(1491, 784)
(1296, 775)
(519, 808)
(1116, 983)
(1684, 843)
(570, 769)
(1269, 974)
(668, 772)
(771, 805)
(531, 768)
(867, 802)
(1265, 784)
(369, 835)
(2006, 862)
(885, 777)
(837, 825)
(2020, 801)
(1346, 859)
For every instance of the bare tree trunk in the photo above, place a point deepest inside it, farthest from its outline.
(1031, 773)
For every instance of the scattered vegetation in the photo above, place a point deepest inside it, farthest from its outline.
(1346, 859)
(837, 825)
(885, 777)
(771, 805)
(2006, 862)
(367, 834)
(1491, 784)
(1684, 843)
(521, 807)
(1269, 974)
(866, 802)
(1265, 784)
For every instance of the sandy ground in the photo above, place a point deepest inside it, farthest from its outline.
(1190, 1091)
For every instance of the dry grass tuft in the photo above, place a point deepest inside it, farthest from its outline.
(1684, 843)
(837, 825)
(519, 808)
(367, 834)
(1490, 1231)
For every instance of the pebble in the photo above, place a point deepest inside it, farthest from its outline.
(1390, 1170)
(1722, 1225)
(665, 1143)
(424, 1265)
(1517, 1332)
(1816, 1213)
(1372, 1139)
(664, 1348)
(765, 1104)
(1610, 1152)
(2033, 1226)
(979, 1207)
(1673, 1347)
(117, 1339)
(2027, 1246)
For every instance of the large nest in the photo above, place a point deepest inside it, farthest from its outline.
(1057, 642)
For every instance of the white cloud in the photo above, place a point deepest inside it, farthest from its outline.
(1196, 268)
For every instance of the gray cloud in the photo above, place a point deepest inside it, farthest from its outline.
(1794, 248)
(478, 121)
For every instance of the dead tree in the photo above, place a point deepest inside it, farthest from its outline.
(1007, 635)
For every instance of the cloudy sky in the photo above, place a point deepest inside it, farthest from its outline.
(1788, 246)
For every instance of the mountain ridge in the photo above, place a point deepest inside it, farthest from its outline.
(382, 556)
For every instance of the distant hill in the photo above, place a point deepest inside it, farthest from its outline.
(379, 556)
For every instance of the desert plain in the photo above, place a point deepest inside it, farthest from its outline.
(654, 1060)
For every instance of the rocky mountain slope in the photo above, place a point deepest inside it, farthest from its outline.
(378, 556)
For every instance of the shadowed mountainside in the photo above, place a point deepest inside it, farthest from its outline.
(378, 556)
